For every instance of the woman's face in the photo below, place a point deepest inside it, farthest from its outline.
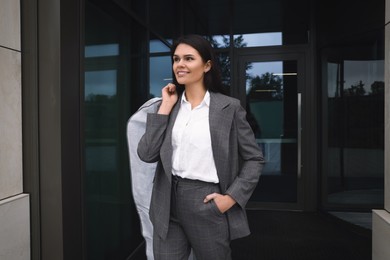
(188, 66)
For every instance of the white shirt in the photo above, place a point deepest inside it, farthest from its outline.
(191, 141)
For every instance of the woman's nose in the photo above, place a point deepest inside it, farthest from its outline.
(180, 62)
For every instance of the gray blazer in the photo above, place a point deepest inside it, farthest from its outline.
(237, 157)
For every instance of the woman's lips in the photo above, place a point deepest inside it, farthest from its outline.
(181, 73)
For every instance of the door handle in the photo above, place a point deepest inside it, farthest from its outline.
(299, 136)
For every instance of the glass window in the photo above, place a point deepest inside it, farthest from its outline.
(225, 66)
(354, 161)
(352, 104)
(219, 41)
(101, 50)
(267, 23)
(260, 23)
(160, 74)
(135, 6)
(259, 39)
(271, 93)
(112, 226)
(156, 46)
(206, 17)
(100, 83)
(164, 18)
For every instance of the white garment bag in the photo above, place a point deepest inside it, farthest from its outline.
(142, 173)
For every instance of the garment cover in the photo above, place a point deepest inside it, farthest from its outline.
(142, 173)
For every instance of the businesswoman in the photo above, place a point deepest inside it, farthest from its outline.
(208, 160)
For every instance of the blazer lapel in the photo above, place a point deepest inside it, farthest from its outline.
(220, 120)
(166, 148)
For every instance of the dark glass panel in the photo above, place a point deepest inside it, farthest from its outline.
(344, 22)
(354, 149)
(353, 102)
(111, 221)
(272, 113)
(164, 19)
(271, 22)
(207, 17)
(260, 23)
(135, 6)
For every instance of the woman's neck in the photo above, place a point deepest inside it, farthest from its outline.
(195, 95)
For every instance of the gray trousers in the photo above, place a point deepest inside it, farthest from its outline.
(194, 224)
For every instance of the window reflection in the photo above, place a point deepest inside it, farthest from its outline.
(225, 66)
(259, 39)
(101, 83)
(355, 149)
(247, 40)
(219, 41)
(260, 76)
(110, 221)
(160, 74)
(271, 89)
(156, 46)
(100, 92)
(363, 78)
(102, 50)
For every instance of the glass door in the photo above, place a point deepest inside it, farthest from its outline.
(271, 88)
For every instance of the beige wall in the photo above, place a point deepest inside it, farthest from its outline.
(381, 218)
(14, 205)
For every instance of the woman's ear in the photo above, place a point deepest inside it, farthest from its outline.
(207, 66)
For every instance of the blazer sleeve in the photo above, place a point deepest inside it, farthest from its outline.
(150, 143)
(251, 157)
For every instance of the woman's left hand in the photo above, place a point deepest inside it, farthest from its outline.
(223, 202)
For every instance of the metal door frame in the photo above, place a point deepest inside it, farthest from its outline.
(306, 179)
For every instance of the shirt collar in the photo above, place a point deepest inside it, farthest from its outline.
(206, 99)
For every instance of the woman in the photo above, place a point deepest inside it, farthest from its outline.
(208, 160)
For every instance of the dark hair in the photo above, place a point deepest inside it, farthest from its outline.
(212, 79)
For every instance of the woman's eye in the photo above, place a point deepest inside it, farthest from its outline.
(177, 59)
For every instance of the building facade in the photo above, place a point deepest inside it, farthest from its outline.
(14, 202)
(313, 76)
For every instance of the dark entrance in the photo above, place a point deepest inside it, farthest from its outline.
(272, 85)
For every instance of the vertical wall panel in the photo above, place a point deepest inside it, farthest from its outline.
(10, 123)
(50, 129)
(10, 24)
(380, 235)
(15, 228)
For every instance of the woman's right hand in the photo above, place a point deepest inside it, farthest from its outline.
(169, 99)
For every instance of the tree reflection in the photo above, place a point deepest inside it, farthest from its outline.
(377, 88)
(355, 90)
(266, 87)
(224, 57)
